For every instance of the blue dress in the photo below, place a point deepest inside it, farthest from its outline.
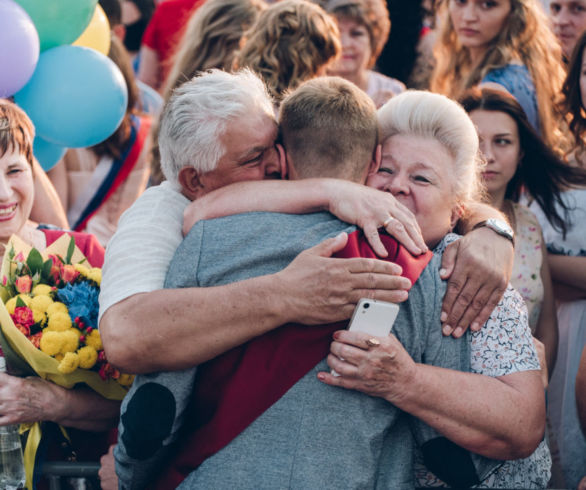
(517, 80)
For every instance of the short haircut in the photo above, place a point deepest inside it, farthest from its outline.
(291, 41)
(435, 116)
(195, 117)
(372, 14)
(16, 130)
(329, 129)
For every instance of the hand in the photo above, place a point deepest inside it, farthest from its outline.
(540, 348)
(582, 484)
(369, 209)
(320, 289)
(107, 472)
(27, 400)
(385, 370)
(479, 267)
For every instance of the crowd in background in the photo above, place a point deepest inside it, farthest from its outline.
(518, 69)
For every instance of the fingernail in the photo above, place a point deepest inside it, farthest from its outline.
(458, 332)
(336, 335)
(321, 376)
(447, 330)
(475, 326)
(443, 272)
(444, 316)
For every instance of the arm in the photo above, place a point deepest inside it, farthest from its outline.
(569, 276)
(149, 68)
(478, 267)
(353, 203)
(47, 207)
(547, 326)
(201, 323)
(34, 399)
(502, 417)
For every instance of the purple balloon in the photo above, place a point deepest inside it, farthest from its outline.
(19, 48)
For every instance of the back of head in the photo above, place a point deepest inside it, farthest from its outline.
(429, 115)
(329, 129)
(16, 130)
(195, 118)
(372, 14)
(292, 41)
(113, 11)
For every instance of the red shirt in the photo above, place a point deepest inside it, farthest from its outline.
(165, 29)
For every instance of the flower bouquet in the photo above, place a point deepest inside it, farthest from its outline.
(49, 317)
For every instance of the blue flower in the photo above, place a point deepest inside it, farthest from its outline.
(81, 300)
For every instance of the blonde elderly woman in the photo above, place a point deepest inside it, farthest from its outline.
(430, 165)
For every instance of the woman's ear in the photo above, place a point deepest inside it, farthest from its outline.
(191, 185)
(376, 160)
(457, 213)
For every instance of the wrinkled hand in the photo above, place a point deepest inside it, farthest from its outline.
(27, 400)
(107, 472)
(384, 371)
(479, 267)
(320, 289)
(369, 208)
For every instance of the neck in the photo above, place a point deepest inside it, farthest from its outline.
(476, 55)
(497, 199)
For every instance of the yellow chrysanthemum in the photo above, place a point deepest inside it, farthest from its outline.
(87, 357)
(69, 363)
(11, 305)
(59, 322)
(39, 316)
(41, 302)
(95, 275)
(57, 307)
(59, 357)
(26, 298)
(51, 342)
(94, 340)
(82, 269)
(42, 290)
(70, 341)
(126, 379)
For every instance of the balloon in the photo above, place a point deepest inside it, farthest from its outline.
(48, 154)
(97, 33)
(59, 21)
(19, 48)
(77, 97)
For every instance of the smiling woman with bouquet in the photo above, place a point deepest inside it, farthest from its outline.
(32, 399)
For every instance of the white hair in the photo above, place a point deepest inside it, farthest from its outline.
(430, 115)
(196, 115)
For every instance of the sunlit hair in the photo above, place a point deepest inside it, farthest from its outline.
(525, 37)
(16, 130)
(372, 14)
(114, 145)
(197, 113)
(540, 172)
(428, 115)
(329, 128)
(210, 40)
(572, 104)
(292, 41)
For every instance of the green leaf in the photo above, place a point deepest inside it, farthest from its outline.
(46, 270)
(19, 302)
(70, 250)
(11, 253)
(34, 261)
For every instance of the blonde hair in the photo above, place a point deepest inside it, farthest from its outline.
(525, 37)
(211, 39)
(428, 115)
(372, 14)
(291, 42)
(16, 131)
(329, 128)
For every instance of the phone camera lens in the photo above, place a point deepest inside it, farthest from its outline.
(366, 305)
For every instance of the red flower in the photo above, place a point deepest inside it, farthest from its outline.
(35, 339)
(55, 268)
(107, 371)
(23, 316)
(24, 329)
(23, 284)
(68, 273)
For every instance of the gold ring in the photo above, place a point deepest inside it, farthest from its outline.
(372, 342)
(387, 221)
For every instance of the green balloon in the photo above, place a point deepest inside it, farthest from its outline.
(59, 21)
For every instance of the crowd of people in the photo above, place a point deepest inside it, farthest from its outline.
(268, 173)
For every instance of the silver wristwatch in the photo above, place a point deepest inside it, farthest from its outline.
(500, 227)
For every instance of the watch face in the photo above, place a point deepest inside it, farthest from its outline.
(500, 227)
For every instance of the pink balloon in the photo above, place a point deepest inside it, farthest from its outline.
(19, 48)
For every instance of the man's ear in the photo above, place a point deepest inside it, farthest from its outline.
(376, 160)
(283, 164)
(191, 185)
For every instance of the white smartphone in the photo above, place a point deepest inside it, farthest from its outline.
(373, 317)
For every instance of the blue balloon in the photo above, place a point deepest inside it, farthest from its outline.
(48, 154)
(76, 97)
